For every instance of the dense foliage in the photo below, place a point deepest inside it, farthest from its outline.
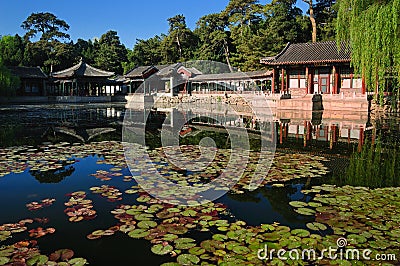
(372, 27)
(8, 83)
(239, 36)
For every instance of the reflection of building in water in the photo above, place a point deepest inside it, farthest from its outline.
(325, 127)
(328, 131)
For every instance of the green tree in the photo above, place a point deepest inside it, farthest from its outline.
(284, 23)
(312, 19)
(215, 41)
(61, 55)
(110, 53)
(244, 21)
(325, 15)
(36, 53)
(373, 30)
(12, 50)
(146, 52)
(180, 43)
(8, 82)
(86, 50)
(48, 52)
(47, 25)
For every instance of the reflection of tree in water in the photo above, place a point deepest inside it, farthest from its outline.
(52, 176)
(278, 197)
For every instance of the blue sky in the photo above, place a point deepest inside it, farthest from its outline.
(88, 18)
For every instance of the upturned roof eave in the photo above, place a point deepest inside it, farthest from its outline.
(304, 62)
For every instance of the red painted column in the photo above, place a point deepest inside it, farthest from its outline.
(283, 81)
(280, 133)
(361, 139)
(310, 83)
(363, 88)
(336, 81)
(287, 82)
(273, 80)
(286, 130)
(306, 134)
(348, 135)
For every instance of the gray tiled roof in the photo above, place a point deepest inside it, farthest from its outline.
(140, 71)
(81, 70)
(27, 72)
(310, 53)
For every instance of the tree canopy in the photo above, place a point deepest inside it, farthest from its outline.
(110, 53)
(48, 25)
(373, 30)
(239, 36)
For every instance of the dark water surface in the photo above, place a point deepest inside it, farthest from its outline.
(34, 125)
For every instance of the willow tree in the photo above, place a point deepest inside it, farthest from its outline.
(372, 26)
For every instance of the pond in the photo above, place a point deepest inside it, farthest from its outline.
(68, 195)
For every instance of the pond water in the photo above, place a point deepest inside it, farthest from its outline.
(63, 149)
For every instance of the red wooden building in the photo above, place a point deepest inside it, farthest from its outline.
(310, 68)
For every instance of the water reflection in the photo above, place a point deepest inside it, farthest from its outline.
(338, 132)
(52, 176)
(34, 124)
(268, 205)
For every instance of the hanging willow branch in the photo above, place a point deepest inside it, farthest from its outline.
(372, 26)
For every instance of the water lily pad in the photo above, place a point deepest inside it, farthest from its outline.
(300, 232)
(143, 216)
(125, 228)
(305, 211)
(184, 243)
(219, 237)
(170, 237)
(4, 260)
(316, 226)
(77, 262)
(211, 245)
(197, 251)
(162, 249)
(298, 204)
(188, 259)
(177, 229)
(146, 224)
(37, 260)
(138, 233)
(241, 250)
